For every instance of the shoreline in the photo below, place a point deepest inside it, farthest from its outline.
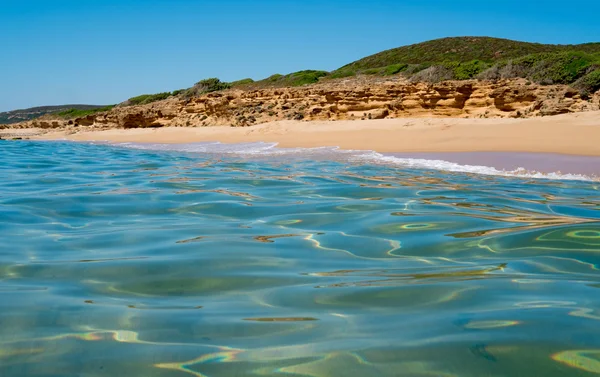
(544, 163)
(575, 134)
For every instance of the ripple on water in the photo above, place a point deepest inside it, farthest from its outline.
(116, 261)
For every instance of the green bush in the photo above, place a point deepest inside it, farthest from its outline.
(416, 68)
(545, 68)
(241, 82)
(468, 70)
(395, 69)
(211, 85)
(372, 71)
(588, 84)
(305, 77)
(296, 79)
(77, 113)
(206, 86)
(561, 68)
(274, 77)
(433, 74)
(380, 71)
(339, 74)
(148, 98)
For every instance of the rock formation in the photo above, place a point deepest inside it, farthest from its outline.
(356, 98)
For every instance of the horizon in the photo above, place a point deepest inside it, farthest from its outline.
(66, 54)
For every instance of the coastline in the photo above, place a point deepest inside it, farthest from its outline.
(544, 163)
(569, 134)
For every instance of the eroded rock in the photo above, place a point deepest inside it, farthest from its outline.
(342, 99)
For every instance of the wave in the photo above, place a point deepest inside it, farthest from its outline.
(263, 149)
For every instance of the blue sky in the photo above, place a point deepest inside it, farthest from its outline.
(103, 52)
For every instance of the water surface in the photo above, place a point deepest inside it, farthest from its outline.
(125, 262)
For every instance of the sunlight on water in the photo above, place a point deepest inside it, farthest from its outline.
(117, 261)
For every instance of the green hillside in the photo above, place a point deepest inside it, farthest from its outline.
(456, 58)
(462, 49)
(486, 58)
(23, 115)
(463, 58)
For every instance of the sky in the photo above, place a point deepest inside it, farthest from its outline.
(55, 52)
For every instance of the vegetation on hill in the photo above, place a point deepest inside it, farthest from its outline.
(147, 98)
(239, 83)
(293, 79)
(461, 49)
(201, 87)
(580, 69)
(458, 58)
(79, 113)
(464, 58)
(23, 115)
(588, 84)
(206, 86)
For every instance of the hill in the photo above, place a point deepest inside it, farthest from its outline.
(464, 58)
(486, 58)
(456, 58)
(16, 116)
(462, 49)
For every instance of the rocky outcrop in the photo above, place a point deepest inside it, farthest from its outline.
(342, 100)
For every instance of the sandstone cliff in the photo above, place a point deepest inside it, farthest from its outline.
(355, 98)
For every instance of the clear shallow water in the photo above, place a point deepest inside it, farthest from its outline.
(117, 261)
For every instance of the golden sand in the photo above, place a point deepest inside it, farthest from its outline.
(577, 134)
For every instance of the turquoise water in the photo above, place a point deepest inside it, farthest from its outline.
(123, 262)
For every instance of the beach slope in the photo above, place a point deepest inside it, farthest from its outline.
(576, 134)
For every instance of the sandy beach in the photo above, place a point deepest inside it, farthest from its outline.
(573, 134)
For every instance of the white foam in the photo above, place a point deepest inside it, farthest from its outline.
(473, 169)
(261, 149)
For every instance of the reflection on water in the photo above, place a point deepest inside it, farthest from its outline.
(124, 262)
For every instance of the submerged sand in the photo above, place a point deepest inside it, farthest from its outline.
(574, 134)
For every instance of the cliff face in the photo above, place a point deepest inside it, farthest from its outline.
(344, 99)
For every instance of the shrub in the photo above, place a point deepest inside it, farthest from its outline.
(342, 73)
(561, 68)
(297, 78)
(513, 70)
(466, 71)
(206, 86)
(148, 98)
(395, 69)
(588, 84)
(372, 71)
(546, 68)
(275, 77)
(241, 82)
(505, 70)
(385, 71)
(211, 85)
(77, 113)
(415, 68)
(492, 73)
(433, 74)
(305, 77)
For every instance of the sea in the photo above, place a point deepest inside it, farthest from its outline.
(214, 260)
